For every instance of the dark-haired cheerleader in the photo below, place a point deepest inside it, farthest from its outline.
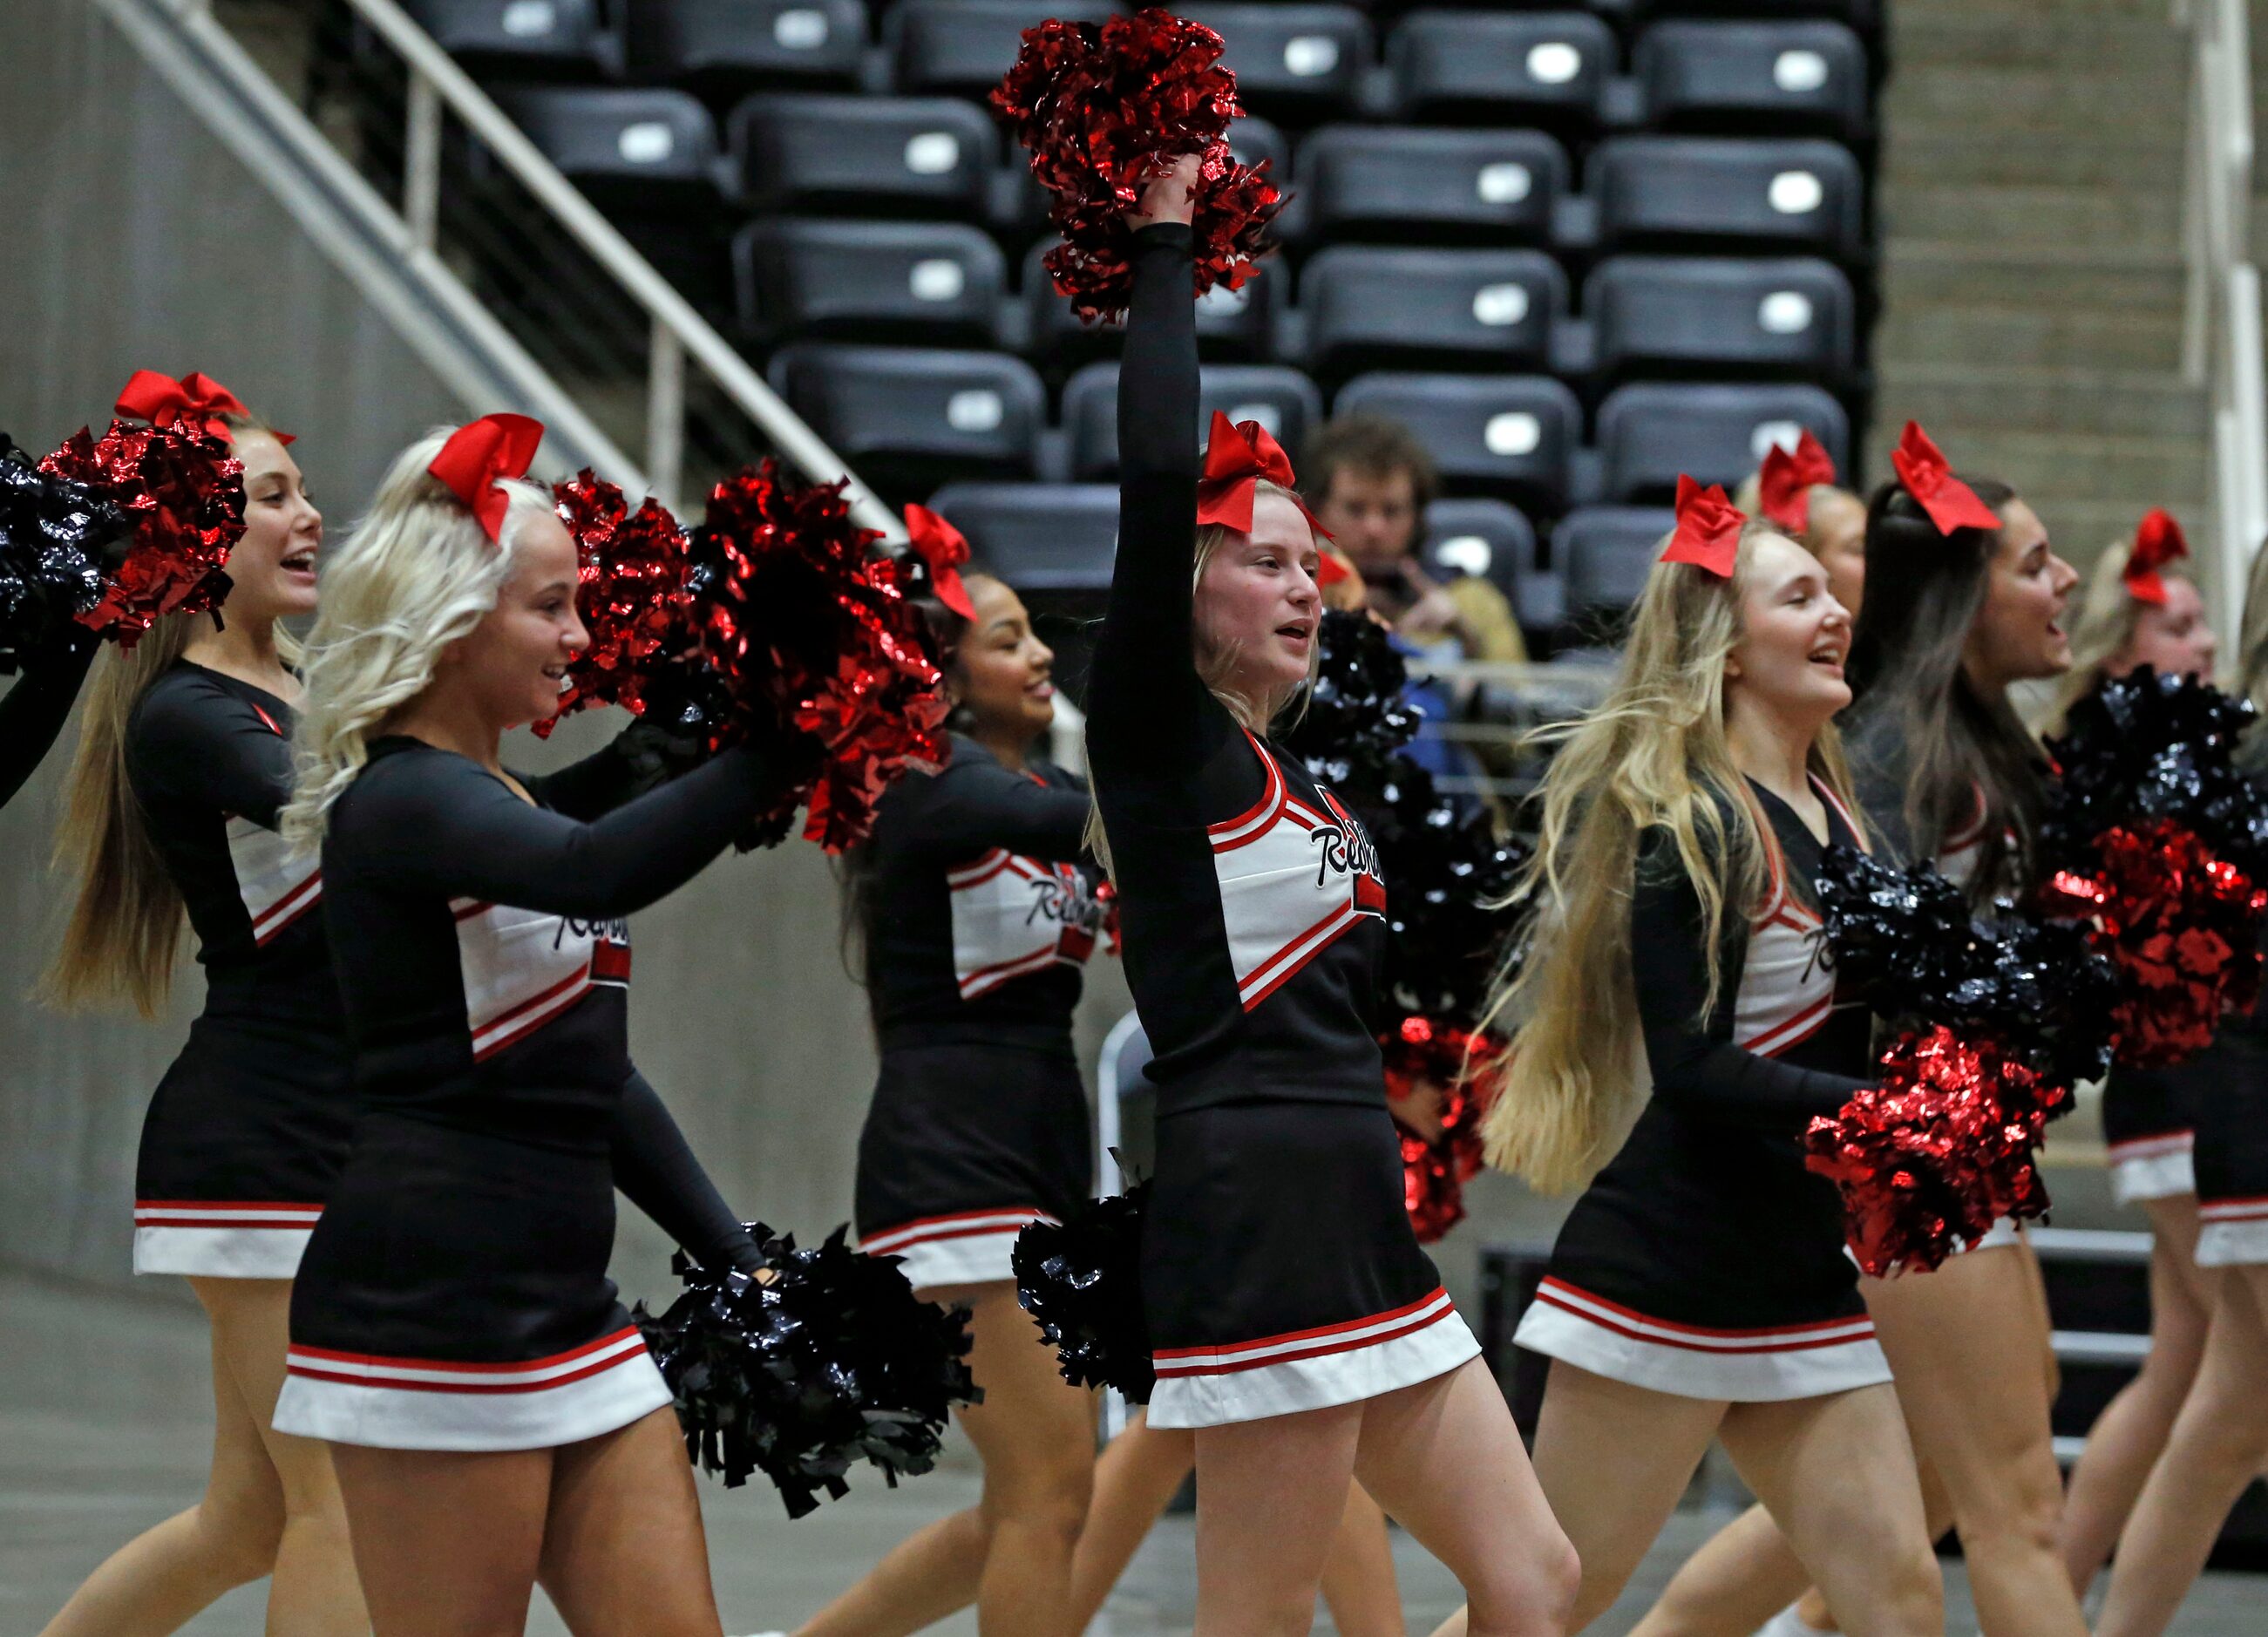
(494, 1416)
(1297, 1327)
(183, 762)
(976, 916)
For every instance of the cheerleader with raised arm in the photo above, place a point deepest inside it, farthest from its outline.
(2220, 1438)
(2140, 608)
(1965, 597)
(495, 1417)
(183, 764)
(1296, 1325)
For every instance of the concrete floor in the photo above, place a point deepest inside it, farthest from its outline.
(104, 1419)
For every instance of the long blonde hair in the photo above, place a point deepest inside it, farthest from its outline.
(1653, 755)
(2252, 641)
(1214, 666)
(124, 934)
(416, 574)
(2108, 616)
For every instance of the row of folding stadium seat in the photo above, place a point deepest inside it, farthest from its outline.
(910, 417)
(1303, 64)
(797, 152)
(1051, 539)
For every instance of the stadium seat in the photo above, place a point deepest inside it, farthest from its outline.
(554, 39)
(723, 47)
(1307, 60)
(1492, 542)
(1499, 186)
(1668, 314)
(1603, 555)
(1713, 193)
(962, 48)
(1649, 431)
(1768, 78)
(1231, 324)
(1533, 66)
(1281, 400)
(862, 155)
(1037, 536)
(1513, 433)
(1480, 309)
(930, 282)
(910, 417)
(644, 148)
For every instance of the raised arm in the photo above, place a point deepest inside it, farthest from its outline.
(1147, 704)
(434, 822)
(976, 804)
(35, 709)
(1693, 1058)
(656, 1170)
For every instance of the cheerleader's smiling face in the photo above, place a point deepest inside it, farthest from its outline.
(271, 570)
(2018, 633)
(2174, 638)
(511, 668)
(1258, 607)
(1794, 636)
(1003, 674)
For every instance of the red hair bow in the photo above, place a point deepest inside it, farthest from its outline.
(1708, 534)
(944, 549)
(482, 454)
(2158, 541)
(1950, 503)
(1237, 456)
(1784, 486)
(196, 398)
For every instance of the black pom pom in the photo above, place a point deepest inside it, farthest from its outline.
(832, 1361)
(1356, 718)
(1905, 941)
(53, 536)
(1081, 1280)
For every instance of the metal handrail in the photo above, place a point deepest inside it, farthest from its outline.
(2222, 338)
(679, 332)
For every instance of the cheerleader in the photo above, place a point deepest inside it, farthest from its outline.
(493, 1415)
(183, 762)
(1796, 490)
(1965, 598)
(2220, 1438)
(1699, 1289)
(1297, 1327)
(976, 916)
(2139, 609)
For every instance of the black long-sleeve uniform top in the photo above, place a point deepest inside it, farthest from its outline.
(483, 957)
(35, 709)
(1251, 902)
(980, 915)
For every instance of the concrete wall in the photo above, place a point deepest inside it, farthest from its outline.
(132, 240)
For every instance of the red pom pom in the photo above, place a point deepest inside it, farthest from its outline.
(1436, 1089)
(814, 635)
(1930, 1158)
(185, 494)
(1105, 109)
(2182, 925)
(632, 594)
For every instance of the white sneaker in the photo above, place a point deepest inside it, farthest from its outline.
(1788, 1623)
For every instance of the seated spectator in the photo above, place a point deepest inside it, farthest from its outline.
(1369, 481)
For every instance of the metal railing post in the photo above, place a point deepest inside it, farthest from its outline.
(665, 414)
(421, 162)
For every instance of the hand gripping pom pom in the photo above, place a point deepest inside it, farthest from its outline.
(1081, 1280)
(832, 1361)
(54, 537)
(184, 494)
(632, 570)
(1927, 1161)
(1106, 108)
(1435, 1076)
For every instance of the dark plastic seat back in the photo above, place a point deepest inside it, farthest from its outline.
(1408, 182)
(553, 39)
(1603, 555)
(868, 156)
(1649, 431)
(962, 48)
(1476, 309)
(1281, 400)
(1486, 539)
(1767, 78)
(1502, 68)
(1679, 315)
(1704, 193)
(724, 47)
(925, 282)
(1305, 60)
(1038, 537)
(908, 418)
(1512, 434)
(630, 144)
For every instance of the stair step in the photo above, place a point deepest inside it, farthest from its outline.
(2124, 278)
(1918, 334)
(2048, 156)
(2136, 215)
(2125, 477)
(2042, 38)
(1978, 100)
(1919, 13)
(2076, 403)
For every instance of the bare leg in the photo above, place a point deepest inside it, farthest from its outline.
(1270, 1496)
(449, 1544)
(1837, 1473)
(2218, 1441)
(1742, 1576)
(158, 1582)
(1966, 1344)
(1136, 1478)
(1445, 1459)
(932, 1573)
(2127, 1437)
(1359, 1585)
(624, 1551)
